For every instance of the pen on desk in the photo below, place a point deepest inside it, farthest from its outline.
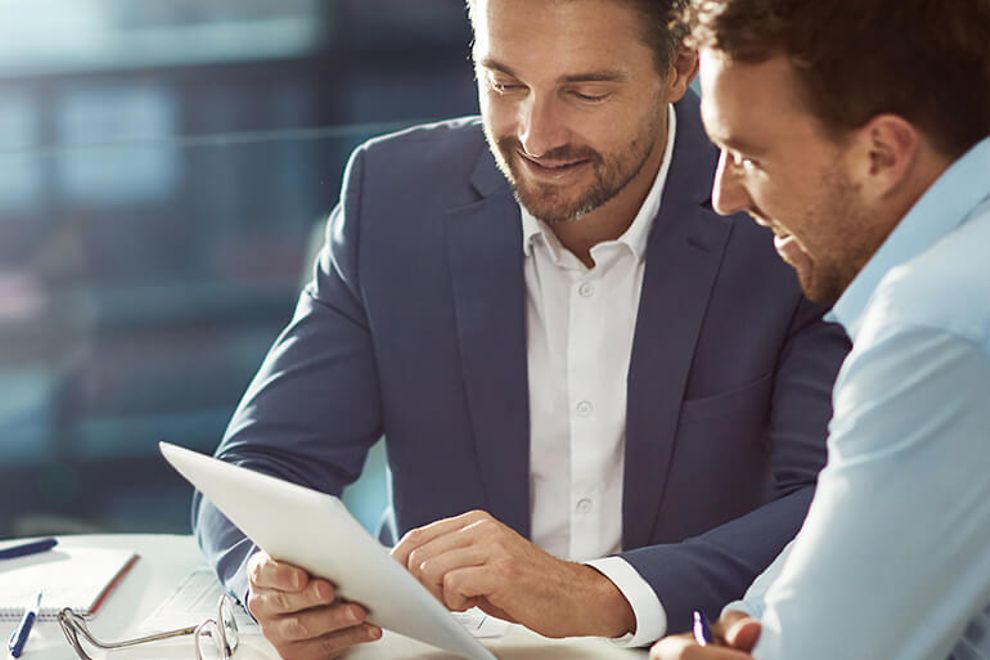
(702, 633)
(18, 638)
(25, 549)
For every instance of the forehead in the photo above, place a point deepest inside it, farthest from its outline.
(751, 102)
(561, 35)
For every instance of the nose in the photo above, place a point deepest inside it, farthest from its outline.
(729, 195)
(541, 128)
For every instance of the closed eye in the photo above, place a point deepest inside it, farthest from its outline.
(590, 98)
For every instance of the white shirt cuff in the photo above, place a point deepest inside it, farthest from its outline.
(651, 618)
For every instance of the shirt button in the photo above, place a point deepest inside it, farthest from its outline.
(584, 408)
(584, 505)
(586, 290)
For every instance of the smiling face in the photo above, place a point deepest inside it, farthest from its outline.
(573, 105)
(779, 165)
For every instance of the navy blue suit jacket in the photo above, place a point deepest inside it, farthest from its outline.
(414, 327)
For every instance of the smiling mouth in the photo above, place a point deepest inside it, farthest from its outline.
(552, 168)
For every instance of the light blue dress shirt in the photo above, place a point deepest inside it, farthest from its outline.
(893, 561)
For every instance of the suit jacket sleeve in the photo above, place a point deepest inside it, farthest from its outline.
(707, 571)
(313, 409)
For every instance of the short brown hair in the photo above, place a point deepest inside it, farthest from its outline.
(927, 61)
(661, 31)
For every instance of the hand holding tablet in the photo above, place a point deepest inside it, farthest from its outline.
(313, 531)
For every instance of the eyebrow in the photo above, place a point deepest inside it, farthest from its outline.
(730, 141)
(603, 75)
(741, 146)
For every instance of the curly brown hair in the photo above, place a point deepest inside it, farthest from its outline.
(927, 61)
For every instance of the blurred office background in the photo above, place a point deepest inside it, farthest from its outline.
(163, 164)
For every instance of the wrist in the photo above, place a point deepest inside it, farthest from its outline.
(610, 615)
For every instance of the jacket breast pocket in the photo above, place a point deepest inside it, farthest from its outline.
(751, 401)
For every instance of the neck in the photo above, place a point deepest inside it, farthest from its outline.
(611, 220)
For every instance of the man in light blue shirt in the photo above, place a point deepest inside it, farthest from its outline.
(858, 130)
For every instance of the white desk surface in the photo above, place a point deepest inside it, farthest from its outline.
(166, 559)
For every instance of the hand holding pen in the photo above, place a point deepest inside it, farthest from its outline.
(732, 637)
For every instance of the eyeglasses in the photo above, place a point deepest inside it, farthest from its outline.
(216, 639)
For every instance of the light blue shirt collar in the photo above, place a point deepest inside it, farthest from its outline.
(946, 205)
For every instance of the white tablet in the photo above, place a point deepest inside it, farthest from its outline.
(314, 531)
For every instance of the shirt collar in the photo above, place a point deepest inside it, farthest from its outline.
(946, 205)
(636, 235)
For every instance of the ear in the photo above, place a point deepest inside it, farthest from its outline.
(680, 74)
(888, 145)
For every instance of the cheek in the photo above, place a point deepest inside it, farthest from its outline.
(499, 114)
(604, 131)
(779, 199)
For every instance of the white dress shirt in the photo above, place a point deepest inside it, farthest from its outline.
(580, 323)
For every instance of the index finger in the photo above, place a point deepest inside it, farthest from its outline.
(267, 573)
(415, 538)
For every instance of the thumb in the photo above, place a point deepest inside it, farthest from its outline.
(743, 634)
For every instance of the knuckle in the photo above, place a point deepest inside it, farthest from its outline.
(487, 526)
(451, 583)
(327, 596)
(256, 605)
(417, 560)
(295, 629)
(280, 601)
(413, 537)
(255, 565)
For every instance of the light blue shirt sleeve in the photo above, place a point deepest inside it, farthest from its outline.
(753, 603)
(894, 557)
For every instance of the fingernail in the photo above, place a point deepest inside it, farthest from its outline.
(355, 614)
(374, 633)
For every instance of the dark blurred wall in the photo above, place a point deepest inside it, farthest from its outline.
(161, 170)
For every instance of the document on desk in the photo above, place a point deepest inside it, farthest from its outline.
(80, 578)
(194, 601)
(197, 596)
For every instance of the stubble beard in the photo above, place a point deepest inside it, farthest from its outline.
(612, 173)
(857, 239)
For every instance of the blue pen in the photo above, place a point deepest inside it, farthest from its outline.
(32, 548)
(702, 632)
(18, 638)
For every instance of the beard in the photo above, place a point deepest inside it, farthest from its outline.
(554, 204)
(827, 272)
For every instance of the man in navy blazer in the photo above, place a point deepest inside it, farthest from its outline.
(419, 325)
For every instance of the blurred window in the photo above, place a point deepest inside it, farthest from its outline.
(162, 166)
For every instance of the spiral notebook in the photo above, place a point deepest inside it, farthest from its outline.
(80, 578)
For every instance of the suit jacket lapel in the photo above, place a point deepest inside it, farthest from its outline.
(484, 242)
(682, 260)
